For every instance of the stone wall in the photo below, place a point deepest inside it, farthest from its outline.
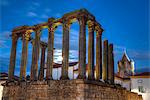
(66, 90)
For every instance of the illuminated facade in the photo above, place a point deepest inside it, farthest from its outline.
(125, 70)
(140, 84)
(125, 67)
(85, 19)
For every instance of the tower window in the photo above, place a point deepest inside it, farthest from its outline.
(141, 89)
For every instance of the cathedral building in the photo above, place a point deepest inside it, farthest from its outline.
(125, 67)
(125, 70)
(127, 78)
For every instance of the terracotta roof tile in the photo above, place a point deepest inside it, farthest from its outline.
(143, 74)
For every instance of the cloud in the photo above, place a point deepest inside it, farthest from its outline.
(4, 3)
(31, 14)
(6, 34)
(40, 17)
(133, 53)
(36, 21)
(32, 11)
(119, 47)
(48, 10)
(139, 55)
(44, 16)
(74, 33)
(4, 38)
(4, 63)
(74, 36)
(57, 15)
(3, 44)
(35, 4)
(73, 56)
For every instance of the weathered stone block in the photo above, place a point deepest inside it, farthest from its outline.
(67, 90)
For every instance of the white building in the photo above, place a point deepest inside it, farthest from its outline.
(125, 66)
(125, 70)
(57, 68)
(3, 79)
(124, 82)
(140, 83)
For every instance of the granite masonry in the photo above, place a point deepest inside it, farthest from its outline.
(67, 90)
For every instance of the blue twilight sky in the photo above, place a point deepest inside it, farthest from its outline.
(126, 25)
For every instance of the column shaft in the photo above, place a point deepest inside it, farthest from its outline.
(98, 56)
(25, 40)
(82, 48)
(111, 63)
(12, 57)
(35, 56)
(65, 50)
(42, 63)
(91, 51)
(50, 54)
(105, 61)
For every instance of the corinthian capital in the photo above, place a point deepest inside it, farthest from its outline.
(52, 28)
(14, 36)
(66, 23)
(98, 30)
(91, 25)
(37, 29)
(82, 19)
(26, 35)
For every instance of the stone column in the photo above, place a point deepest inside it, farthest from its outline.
(35, 55)
(25, 39)
(105, 61)
(91, 50)
(42, 63)
(50, 52)
(110, 64)
(82, 48)
(98, 67)
(12, 57)
(50, 55)
(65, 50)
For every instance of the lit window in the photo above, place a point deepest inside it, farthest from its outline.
(141, 89)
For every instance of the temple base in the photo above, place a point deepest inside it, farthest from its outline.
(64, 78)
(67, 90)
(81, 77)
